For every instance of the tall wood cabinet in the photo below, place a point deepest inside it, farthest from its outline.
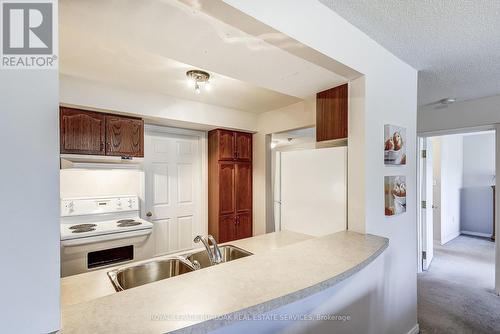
(229, 185)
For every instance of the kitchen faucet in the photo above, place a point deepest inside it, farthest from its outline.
(214, 255)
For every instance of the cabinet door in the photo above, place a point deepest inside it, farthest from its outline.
(243, 146)
(227, 228)
(331, 114)
(226, 188)
(124, 136)
(226, 145)
(243, 187)
(243, 225)
(81, 132)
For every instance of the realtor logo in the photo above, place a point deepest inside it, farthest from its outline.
(28, 34)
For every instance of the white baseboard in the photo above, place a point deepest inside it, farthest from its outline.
(414, 330)
(450, 238)
(476, 234)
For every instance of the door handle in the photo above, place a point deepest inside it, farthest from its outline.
(149, 214)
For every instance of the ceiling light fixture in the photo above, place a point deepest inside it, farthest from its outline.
(448, 100)
(197, 79)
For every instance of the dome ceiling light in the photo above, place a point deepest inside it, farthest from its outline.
(448, 100)
(198, 79)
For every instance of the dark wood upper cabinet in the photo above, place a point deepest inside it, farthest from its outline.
(243, 146)
(81, 131)
(233, 145)
(331, 113)
(124, 136)
(229, 185)
(94, 133)
(226, 145)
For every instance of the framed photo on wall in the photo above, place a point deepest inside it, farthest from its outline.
(395, 195)
(394, 145)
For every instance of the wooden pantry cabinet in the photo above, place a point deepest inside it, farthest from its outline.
(93, 133)
(229, 185)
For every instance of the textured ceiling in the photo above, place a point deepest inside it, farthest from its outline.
(455, 44)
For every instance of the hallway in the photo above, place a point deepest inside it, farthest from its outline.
(457, 294)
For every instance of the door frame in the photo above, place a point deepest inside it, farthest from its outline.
(202, 136)
(423, 143)
(488, 127)
(420, 227)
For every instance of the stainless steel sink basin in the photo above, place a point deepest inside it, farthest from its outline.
(228, 252)
(135, 275)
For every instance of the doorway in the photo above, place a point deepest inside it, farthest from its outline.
(175, 186)
(457, 266)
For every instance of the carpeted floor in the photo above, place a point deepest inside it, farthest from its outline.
(457, 294)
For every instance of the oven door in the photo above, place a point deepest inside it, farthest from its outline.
(81, 258)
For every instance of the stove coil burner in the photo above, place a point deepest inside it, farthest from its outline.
(125, 221)
(83, 229)
(129, 223)
(82, 226)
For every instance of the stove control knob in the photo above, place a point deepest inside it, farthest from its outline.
(71, 206)
(119, 204)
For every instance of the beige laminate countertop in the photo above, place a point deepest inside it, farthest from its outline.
(285, 267)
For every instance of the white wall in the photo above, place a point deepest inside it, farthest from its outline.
(29, 197)
(479, 159)
(390, 97)
(477, 194)
(344, 299)
(179, 112)
(449, 179)
(106, 182)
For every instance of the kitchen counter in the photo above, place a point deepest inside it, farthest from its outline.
(95, 284)
(285, 267)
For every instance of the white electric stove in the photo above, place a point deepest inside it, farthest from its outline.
(102, 231)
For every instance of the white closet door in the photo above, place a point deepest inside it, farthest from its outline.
(173, 189)
(314, 190)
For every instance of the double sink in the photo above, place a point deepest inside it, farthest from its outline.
(147, 272)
